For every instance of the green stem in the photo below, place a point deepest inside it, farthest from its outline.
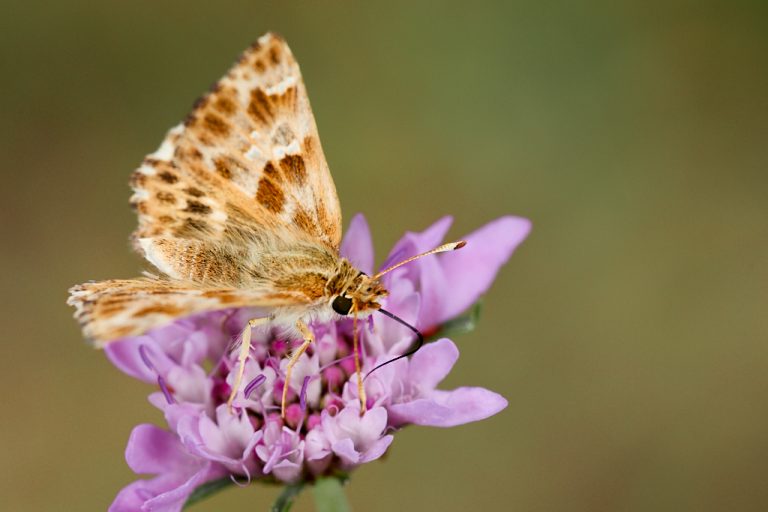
(285, 501)
(207, 489)
(329, 495)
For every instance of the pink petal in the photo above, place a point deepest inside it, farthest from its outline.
(153, 450)
(469, 272)
(430, 365)
(316, 445)
(124, 354)
(435, 288)
(414, 243)
(287, 471)
(133, 496)
(373, 422)
(449, 408)
(357, 246)
(165, 493)
(396, 338)
(345, 449)
(421, 411)
(377, 449)
(173, 500)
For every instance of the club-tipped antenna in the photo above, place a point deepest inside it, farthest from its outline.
(443, 248)
(419, 343)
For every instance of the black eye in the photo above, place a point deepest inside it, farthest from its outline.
(342, 305)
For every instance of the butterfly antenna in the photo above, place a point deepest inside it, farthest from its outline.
(419, 342)
(443, 248)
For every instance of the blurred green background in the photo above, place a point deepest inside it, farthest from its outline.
(629, 332)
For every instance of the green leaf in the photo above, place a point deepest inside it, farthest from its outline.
(208, 489)
(329, 495)
(285, 501)
(463, 323)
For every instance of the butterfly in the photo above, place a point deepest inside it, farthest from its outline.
(237, 208)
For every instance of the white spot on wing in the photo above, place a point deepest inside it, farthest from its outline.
(282, 86)
(147, 170)
(218, 216)
(165, 151)
(253, 153)
(291, 149)
(140, 195)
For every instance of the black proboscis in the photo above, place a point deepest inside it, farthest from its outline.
(413, 350)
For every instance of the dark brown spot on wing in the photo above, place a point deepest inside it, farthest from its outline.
(271, 172)
(216, 125)
(294, 169)
(168, 177)
(255, 46)
(274, 55)
(192, 227)
(194, 192)
(224, 298)
(225, 105)
(197, 207)
(138, 179)
(164, 309)
(223, 168)
(309, 146)
(200, 102)
(205, 139)
(165, 197)
(105, 309)
(260, 106)
(186, 152)
(270, 196)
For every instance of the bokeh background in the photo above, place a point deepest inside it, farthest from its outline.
(629, 332)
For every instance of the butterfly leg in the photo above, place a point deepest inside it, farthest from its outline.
(245, 348)
(356, 348)
(308, 338)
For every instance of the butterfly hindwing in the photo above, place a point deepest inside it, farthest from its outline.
(118, 308)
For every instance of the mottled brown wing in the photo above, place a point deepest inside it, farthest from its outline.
(246, 164)
(118, 308)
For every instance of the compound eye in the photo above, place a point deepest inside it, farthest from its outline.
(342, 305)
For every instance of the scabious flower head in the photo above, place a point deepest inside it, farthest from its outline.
(323, 431)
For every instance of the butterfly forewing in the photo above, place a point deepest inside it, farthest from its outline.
(247, 161)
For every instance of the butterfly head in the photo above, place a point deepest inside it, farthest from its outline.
(353, 291)
(360, 296)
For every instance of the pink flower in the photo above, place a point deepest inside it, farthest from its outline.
(323, 430)
(152, 450)
(355, 439)
(282, 452)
